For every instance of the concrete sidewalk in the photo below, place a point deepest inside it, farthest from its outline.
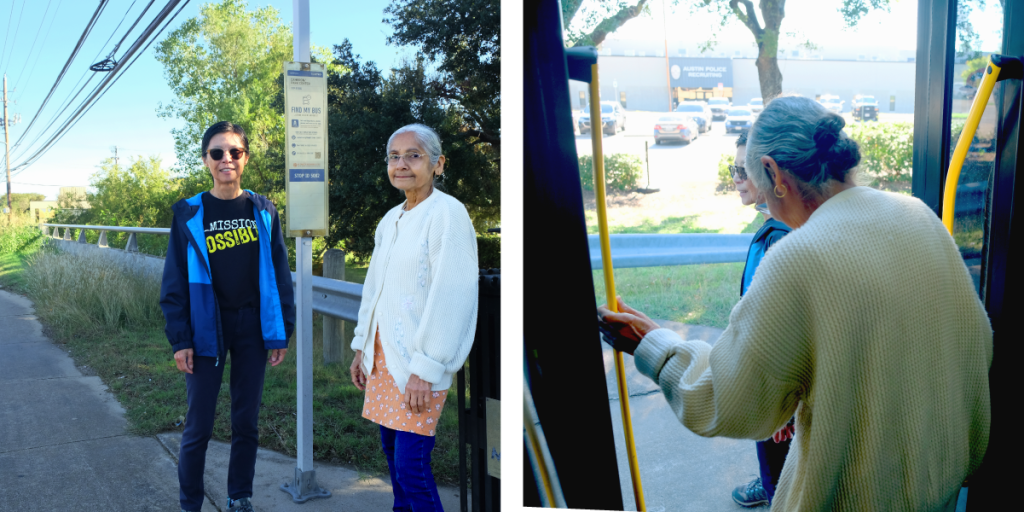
(64, 444)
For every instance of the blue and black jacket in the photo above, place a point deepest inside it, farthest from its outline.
(187, 297)
(771, 231)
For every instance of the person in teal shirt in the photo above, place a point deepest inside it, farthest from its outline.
(771, 453)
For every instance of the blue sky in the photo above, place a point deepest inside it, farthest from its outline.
(126, 115)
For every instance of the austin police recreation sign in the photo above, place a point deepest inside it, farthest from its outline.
(306, 148)
(693, 73)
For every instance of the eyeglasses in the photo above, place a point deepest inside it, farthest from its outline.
(738, 172)
(218, 153)
(410, 158)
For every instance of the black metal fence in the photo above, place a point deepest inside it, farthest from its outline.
(484, 368)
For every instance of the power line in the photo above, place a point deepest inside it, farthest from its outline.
(81, 40)
(112, 78)
(16, 29)
(28, 56)
(8, 32)
(45, 39)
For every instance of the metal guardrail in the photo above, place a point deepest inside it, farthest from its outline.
(662, 250)
(331, 297)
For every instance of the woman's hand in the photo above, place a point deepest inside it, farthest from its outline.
(358, 377)
(625, 329)
(277, 355)
(183, 358)
(417, 392)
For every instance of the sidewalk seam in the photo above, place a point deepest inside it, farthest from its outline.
(64, 443)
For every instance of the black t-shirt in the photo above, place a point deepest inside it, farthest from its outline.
(231, 241)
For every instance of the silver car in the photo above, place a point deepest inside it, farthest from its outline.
(678, 127)
(756, 105)
(613, 118)
(719, 107)
(699, 111)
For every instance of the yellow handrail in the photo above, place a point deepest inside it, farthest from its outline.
(988, 83)
(596, 135)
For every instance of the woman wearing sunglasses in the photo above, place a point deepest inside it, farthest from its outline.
(771, 453)
(417, 318)
(227, 289)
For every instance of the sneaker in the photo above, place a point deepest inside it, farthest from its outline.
(751, 494)
(243, 505)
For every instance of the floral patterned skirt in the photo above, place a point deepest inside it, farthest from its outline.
(384, 403)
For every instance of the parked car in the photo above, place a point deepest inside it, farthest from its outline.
(613, 118)
(719, 108)
(832, 103)
(756, 105)
(865, 108)
(673, 126)
(700, 112)
(739, 119)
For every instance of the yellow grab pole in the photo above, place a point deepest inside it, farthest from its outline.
(988, 82)
(596, 134)
(535, 449)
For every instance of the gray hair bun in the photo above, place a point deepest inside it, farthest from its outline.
(836, 152)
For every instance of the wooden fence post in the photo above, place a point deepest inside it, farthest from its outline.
(336, 336)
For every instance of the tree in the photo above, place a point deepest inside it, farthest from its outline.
(602, 19)
(19, 202)
(364, 109)
(225, 65)
(766, 32)
(138, 195)
(462, 35)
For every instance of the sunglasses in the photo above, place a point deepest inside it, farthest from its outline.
(217, 154)
(738, 172)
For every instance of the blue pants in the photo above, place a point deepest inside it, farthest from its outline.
(771, 456)
(409, 463)
(243, 340)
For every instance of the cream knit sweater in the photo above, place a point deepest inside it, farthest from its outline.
(421, 291)
(865, 323)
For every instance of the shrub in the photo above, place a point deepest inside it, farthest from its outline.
(725, 182)
(17, 238)
(488, 248)
(621, 171)
(886, 149)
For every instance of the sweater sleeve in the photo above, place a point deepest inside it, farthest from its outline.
(174, 298)
(749, 384)
(361, 331)
(446, 330)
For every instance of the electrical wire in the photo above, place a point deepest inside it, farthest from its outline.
(28, 56)
(45, 39)
(81, 40)
(67, 102)
(52, 123)
(111, 79)
(17, 28)
(7, 33)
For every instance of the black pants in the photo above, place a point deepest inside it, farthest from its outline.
(243, 340)
(771, 456)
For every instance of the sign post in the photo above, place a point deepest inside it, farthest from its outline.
(305, 105)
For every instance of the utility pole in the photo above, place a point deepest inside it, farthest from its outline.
(668, 72)
(7, 150)
(115, 159)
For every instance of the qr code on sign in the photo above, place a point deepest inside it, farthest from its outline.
(317, 154)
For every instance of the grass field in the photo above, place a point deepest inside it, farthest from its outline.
(109, 321)
(691, 294)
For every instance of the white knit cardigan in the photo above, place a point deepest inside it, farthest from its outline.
(865, 323)
(421, 291)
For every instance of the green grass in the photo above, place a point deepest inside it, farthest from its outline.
(111, 325)
(691, 294)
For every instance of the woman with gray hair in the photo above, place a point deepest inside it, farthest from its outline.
(417, 318)
(863, 321)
